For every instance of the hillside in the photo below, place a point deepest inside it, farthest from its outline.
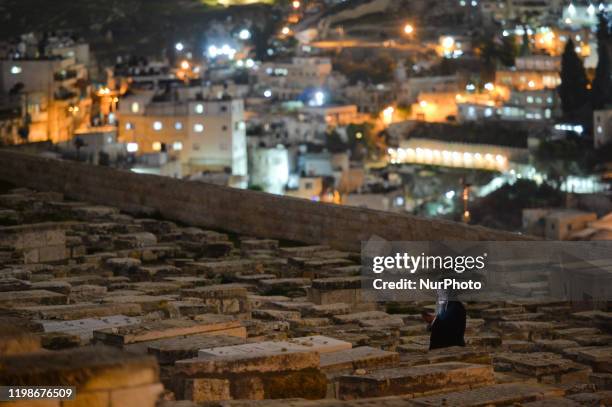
(142, 27)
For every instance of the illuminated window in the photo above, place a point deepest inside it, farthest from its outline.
(178, 125)
(132, 147)
(199, 108)
(135, 107)
(157, 126)
(157, 146)
(177, 146)
(198, 128)
(129, 126)
(15, 70)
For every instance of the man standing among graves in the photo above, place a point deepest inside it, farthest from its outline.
(448, 325)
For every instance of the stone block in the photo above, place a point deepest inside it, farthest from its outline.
(141, 396)
(170, 350)
(149, 331)
(25, 297)
(88, 369)
(415, 380)
(497, 395)
(363, 357)
(207, 389)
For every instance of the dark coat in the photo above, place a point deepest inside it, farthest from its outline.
(448, 328)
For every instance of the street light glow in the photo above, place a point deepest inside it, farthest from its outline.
(244, 34)
(388, 115)
(408, 29)
(448, 42)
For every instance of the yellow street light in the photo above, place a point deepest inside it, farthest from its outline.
(408, 29)
(388, 115)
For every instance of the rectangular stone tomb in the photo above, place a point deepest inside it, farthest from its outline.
(336, 290)
(415, 380)
(498, 395)
(226, 298)
(546, 367)
(148, 331)
(102, 376)
(319, 344)
(256, 375)
(84, 327)
(364, 357)
(83, 310)
(600, 358)
(170, 350)
(43, 297)
(37, 243)
(219, 268)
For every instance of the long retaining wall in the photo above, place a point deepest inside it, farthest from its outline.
(250, 213)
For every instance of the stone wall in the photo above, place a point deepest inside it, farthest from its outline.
(246, 212)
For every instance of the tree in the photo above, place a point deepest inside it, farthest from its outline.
(602, 84)
(494, 51)
(559, 159)
(502, 209)
(573, 89)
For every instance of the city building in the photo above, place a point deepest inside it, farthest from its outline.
(50, 90)
(526, 105)
(288, 80)
(532, 72)
(409, 90)
(370, 98)
(334, 115)
(602, 127)
(204, 135)
(269, 168)
(556, 224)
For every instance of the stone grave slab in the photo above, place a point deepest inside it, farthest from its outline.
(415, 380)
(85, 327)
(148, 331)
(318, 343)
(362, 357)
(42, 297)
(170, 350)
(497, 395)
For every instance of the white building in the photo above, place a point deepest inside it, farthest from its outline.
(49, 92)
(269, 168)
(602, 127)
(527, 105)
(205, 135)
